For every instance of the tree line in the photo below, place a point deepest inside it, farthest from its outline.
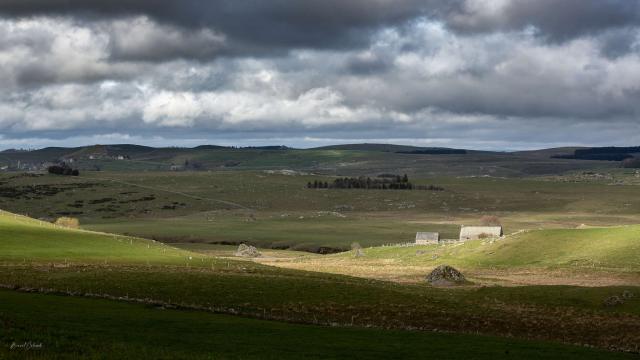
(610, 153)
(395, 182)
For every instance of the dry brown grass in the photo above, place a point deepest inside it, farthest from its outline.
(68, 222)
(396, 271)
(490, 220)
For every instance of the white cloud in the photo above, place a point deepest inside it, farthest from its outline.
(233, 109)
(419, 80)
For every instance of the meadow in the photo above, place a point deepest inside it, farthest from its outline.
(70, 328)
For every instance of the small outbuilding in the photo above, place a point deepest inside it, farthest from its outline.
(427, 238)
(480, 232)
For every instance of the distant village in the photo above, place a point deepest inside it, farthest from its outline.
(25, 165)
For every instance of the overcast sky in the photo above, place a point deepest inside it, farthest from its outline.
(484, 74)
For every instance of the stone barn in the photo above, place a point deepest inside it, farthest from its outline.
(427, 238)
(480, 232)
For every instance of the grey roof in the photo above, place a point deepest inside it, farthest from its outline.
(433, 236)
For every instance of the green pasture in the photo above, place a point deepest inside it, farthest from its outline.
(70, 328)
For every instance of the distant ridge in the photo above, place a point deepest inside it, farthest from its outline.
(351, 159)
(608, 153)
(402, 149)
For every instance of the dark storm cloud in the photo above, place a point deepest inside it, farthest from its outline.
(255, 27)
(558, 20)
(253, 24)
(619, 42)
(335, 22)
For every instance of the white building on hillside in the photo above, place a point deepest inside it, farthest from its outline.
(480, 232)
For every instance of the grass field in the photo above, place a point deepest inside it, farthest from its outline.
(202, 283)
(69, 328)
(32, 240)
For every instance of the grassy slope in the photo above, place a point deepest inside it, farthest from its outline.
(36, 241)
(71, 328)
(616, 248)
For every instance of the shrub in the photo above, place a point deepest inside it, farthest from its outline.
(69, 222)
(631, 163)
(490, 220)
(63, 169)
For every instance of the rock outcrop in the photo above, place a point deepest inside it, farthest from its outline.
(445, 275)
(247, 251)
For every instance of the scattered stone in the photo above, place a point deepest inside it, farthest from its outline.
(612, 301)
(248, 251)
(627, 294)
(420, 252)
(445, 275)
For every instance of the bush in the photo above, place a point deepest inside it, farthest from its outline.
(69, 222)
(631, 163)
(490, 220)
(63, 169)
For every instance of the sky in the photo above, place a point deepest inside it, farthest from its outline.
(479, 74)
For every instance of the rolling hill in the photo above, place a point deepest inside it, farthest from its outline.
(586, 257)
(28, 240)
(352, 159)
(605, 249)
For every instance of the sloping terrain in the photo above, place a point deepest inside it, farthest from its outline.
(615, 248)
(29, 240)
(590, 256)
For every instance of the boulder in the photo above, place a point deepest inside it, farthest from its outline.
(248, 251)
(445, 275)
